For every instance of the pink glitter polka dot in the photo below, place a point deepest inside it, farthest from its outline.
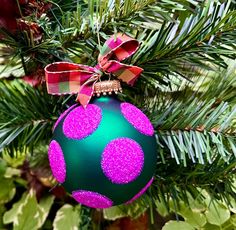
(57, 161)
(122, 160)
(81, 122)
(137, 118)
(142, 191)
(62, 116)
(92, 199)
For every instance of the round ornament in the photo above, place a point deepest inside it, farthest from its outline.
(103, 155)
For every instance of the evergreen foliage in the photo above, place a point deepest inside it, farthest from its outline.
(187, 89)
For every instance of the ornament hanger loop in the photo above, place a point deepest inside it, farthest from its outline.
(109, 77)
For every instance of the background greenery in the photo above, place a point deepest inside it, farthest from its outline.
(187, 89)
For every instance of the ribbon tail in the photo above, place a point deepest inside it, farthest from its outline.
(126, 73)
(86, 91)
(130, 74)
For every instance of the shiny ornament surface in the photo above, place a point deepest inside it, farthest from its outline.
(103, 155)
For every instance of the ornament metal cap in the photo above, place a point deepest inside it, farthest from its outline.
(107, 87)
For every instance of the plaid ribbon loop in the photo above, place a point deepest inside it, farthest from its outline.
(70, 78)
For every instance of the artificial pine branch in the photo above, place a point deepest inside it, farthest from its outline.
(165, 49)
(195, 125)
(27, 114)
(200, 40)
(193, 122)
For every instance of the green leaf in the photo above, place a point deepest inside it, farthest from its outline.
(233, 220)
(232, 206)
(133, 210)
(211, 227)
(177, 225)
(2, 210)
(7, 190)
(67, 218)
(44, 208)
(228, 225)
(217, 214)
(11, 215)
(113, 213)
(192, 216)
(27, 214)
(137, 208)
(195, 219)
(27, 218)
(197, 205)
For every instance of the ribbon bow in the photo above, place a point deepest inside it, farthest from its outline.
(69, 78)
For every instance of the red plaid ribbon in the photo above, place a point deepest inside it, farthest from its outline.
(69, 78)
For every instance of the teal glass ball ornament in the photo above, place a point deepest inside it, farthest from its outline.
(104, 155)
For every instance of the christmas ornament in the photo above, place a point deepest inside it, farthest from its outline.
(31, 27)
(35, 79)
(13, 13)
(9, 11)
(104, 154)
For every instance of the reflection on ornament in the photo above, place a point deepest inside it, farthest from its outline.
(103, 155)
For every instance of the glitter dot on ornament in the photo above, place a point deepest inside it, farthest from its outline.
(82, 122)
(122, 160)
(92, 199)
(62, 116)
(57, 161)
(142, 191)
(137, 118)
